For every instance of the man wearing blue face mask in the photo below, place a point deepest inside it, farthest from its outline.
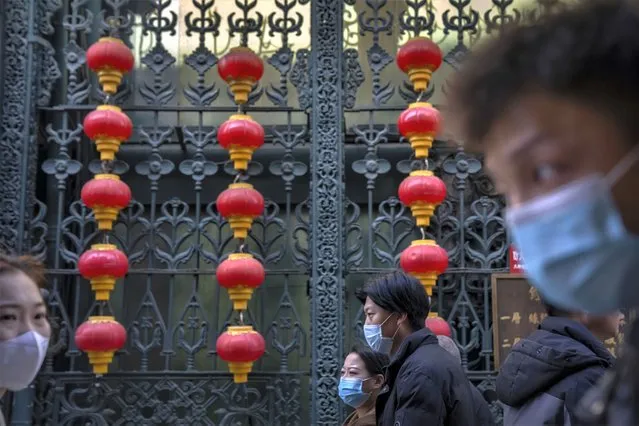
(554, 107)
(424, 384)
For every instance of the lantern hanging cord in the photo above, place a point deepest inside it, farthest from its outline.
(241, 317)
(107, 99)
(106, 166)
(426, 164)
(242, 247)
(423, 231)
(420, 95)
(239, 176)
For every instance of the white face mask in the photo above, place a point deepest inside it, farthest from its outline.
(21, 359)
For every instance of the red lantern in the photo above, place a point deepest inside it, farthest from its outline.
(240, 274)
(108, 126)
(438, 326)
(241, 68)
(100, 337)
(106, 194)
(419, 58)
(111, 59)
(240, 204)
(240, 346)
(422, 192)
(424, 260)
(102, 266)
(419, 124)
(241, 136)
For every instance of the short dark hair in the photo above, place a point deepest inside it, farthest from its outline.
(588, 52)
(375, 362)
(400, 293)
(29, 265)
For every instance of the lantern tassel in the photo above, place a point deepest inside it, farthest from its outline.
(102, 286)
(107, 147)
(240, 226)
(240, 297)
(100, 361)
(240, 371)
(241, 156)
(105, 216)
(110, 79)
(420, 77)
(422, 212)
(421, 144)
(241, 90)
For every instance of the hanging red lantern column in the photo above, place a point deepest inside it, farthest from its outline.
(422, 191)
(240, 347)
(103, 264)
(111, 59)
(100, 337)
(240, 204)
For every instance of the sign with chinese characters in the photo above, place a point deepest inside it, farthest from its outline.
(515, 262)
(517, 312)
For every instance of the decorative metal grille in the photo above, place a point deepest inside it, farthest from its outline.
(329, 171)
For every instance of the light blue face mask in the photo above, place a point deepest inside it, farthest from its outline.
(350, 390)
(575, 247)
(374, 338)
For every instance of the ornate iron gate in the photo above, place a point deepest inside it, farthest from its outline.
(329, 172)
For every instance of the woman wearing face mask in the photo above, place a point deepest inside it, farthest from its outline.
(362, 379)
(24, 328)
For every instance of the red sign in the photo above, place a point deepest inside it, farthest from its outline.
(515, 261)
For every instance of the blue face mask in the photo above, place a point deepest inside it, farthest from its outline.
(575, 247)
(350, 390)
(374, 338)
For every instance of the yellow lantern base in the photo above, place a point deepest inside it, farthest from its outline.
(240, 371)
(240, 297)
(240, 226)
(432, 314)
(423, 212)
(421, 144)
(107, 147)
(428, 280)
(105, 216)
(102, 286)
(241, 156)
(110, 79)
(241, 90)
(100, 361)
(420, 77)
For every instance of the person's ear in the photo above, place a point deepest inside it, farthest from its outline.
(377, 381)
(402, 319)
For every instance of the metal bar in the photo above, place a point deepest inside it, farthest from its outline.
(327, 212)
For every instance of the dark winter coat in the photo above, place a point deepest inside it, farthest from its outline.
(482, 411)
(425, 386)
(546, 374)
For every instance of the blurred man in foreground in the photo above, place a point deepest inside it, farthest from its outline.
(554, 107)
(546, 375)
